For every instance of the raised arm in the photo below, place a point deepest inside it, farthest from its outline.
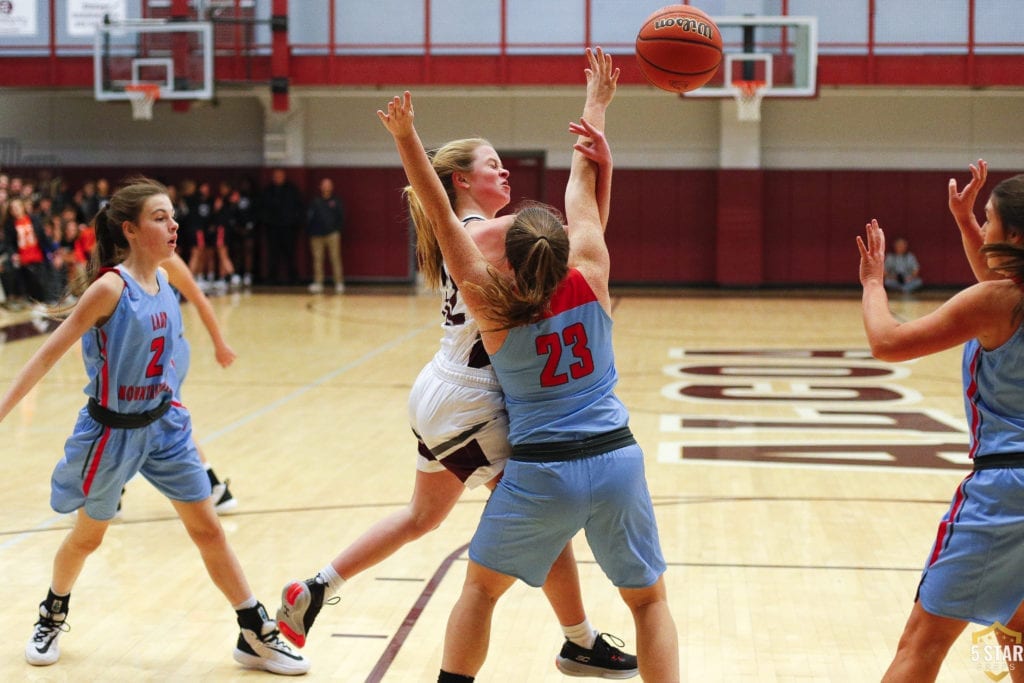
(977, 312)
(602, 80)
(587, 249)
(961, 205)
(463, 259)
(180, 276)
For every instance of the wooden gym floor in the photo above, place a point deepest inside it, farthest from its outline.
(797, 482)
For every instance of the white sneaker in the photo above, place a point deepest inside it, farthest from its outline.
(236, 281)
(260, 646)
(316, 288)
(43, 649)
(339, 288)
(247, 280)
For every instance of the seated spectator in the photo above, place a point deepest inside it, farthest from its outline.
(902, 271)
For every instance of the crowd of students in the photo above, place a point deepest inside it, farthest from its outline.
(46, 237)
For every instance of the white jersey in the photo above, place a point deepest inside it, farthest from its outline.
(456, 408)
(462, 351)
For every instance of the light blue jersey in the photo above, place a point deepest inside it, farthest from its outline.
(129, 359)
(973, 570)
(130, 362)
(994, 396)
(558, 374)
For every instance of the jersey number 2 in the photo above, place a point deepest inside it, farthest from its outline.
(573, 338)
(155, 367)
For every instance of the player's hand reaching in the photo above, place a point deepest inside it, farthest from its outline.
(592, 143)
(961, 203)
(399, 117)
(602, 77)
(872, 254)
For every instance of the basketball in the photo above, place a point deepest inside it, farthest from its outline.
(678, 48)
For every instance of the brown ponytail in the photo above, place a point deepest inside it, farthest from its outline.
(537, 248)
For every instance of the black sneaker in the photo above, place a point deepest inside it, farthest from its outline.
(259, 646)
(42, 649)
(223, 502)
(300, 603)
(604, 660)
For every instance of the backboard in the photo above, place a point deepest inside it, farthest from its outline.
(779, 51)
(176, 56)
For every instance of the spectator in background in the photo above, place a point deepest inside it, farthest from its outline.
(30, 259)
(242, 242)
(282, 216)
(76, 244)
(7, 272)
(102, 193)
(87, 201)
(220, 271)
(902, 271)
(326, 219)
(200, 213)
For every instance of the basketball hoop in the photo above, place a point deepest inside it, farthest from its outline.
(142, 96)
(748, 96)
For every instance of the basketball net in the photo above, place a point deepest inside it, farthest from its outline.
(142, 96)
(748, 96)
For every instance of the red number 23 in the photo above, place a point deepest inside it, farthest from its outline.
(573, 338)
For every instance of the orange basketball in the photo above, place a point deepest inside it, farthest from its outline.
(679, 48)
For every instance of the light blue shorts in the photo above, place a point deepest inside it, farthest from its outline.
(973, 571)
(538, 507)
(98, 461)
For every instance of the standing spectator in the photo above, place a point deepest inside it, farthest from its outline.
(215, 258)
(242, 241)
(34, 276)
(326, 219)
(200, 212)
(902, 271)
(7, 272)
(282, 216)
(102, 192)
(87, 201)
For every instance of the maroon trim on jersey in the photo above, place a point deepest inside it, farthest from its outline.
(572, 292)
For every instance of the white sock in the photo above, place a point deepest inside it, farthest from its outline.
(583, 634)
(331, 579)
(246, 604)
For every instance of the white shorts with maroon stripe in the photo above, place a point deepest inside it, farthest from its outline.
(460, 421)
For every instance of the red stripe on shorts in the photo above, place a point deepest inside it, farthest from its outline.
(95, 465)
(946, 526)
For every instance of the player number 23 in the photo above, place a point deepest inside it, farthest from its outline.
(574, 340)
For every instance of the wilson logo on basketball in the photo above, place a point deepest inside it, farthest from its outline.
(687, 24)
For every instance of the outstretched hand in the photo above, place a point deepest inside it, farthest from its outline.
(592, 144)
(872, 254)
(961, 204)
(399, 117)
(602, 77)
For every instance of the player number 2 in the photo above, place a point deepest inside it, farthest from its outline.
(155, 367)
(573, 338)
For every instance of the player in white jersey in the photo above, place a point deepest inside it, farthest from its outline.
(612, 506)
(972, 571)
(458, 416)
(129, 322)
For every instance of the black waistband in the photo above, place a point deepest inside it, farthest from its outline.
(999, 461)
(115, 420)
(570, 450)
